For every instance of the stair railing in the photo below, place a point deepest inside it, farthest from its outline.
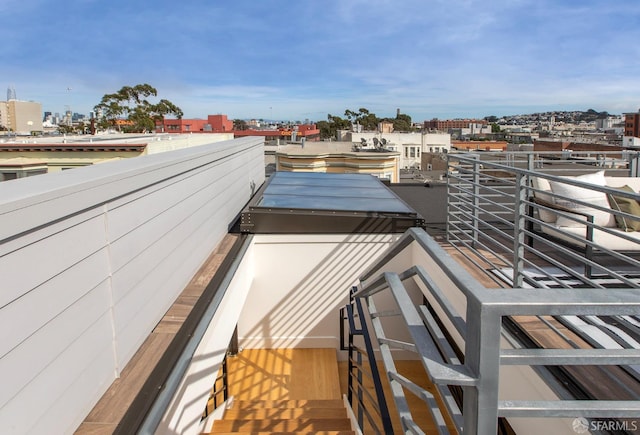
(220, 391)
(362, 364)
(461, 313)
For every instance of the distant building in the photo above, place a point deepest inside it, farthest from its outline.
(445, 125)
(220, 124)
(385, 127)
(611, 123)
(25, 158)
(21, 117)
(338, 157)
(296, 133)
(632, 124)
(479, 145)
(213, 124)
(410, 145)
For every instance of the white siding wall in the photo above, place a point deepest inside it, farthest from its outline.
(90, 259)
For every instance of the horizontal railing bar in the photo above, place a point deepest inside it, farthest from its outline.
(570, 408)
(397, 344)
(471, 217)
(386, 313)
(362, 388)
(563, 301)
(570, 356)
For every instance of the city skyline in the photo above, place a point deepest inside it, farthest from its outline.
(285, 60)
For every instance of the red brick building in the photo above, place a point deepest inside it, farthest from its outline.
(436, 124)
(632, 124)
(307, 131)
(213, 124)
(220, 124)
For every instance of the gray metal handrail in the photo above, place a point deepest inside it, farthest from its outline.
(481, 331)
(493, 211)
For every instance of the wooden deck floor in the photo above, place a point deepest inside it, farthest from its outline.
(108, 412)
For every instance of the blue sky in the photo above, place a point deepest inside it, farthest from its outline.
(302, 59)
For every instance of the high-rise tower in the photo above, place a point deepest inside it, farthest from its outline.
(11, 93)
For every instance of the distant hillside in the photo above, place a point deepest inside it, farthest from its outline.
(592, 115)
(558, 116)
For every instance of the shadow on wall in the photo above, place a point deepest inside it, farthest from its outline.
(284, 318)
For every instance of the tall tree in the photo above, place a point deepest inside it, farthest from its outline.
(131, 103)
(364, 118)
(329, 128)
(240, 124)
(402, 122)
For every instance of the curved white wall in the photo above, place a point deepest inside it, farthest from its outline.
(90, 259)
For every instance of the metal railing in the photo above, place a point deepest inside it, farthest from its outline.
(495, 211)
(363, 370)
(431, 327)
(219, 392)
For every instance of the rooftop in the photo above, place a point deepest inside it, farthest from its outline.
(333, 147)
(148, 225)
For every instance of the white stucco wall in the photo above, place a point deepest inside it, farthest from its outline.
(428, 142)
(90, 260)
(300, 282)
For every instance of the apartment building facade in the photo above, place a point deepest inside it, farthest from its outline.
(21, 117)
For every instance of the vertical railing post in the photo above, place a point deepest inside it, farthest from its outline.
(234, 346)
(519, 222)
(634, 164)
(360, 393)
(482, 358)
(448, 222)
(476, 198)
(531, 162)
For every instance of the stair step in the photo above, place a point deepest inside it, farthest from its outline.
(306, 404)
(284, 413)
(282, 425)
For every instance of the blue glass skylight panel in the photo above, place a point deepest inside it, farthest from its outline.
(340, 192)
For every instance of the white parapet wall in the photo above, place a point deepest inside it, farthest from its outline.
(91, 259)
